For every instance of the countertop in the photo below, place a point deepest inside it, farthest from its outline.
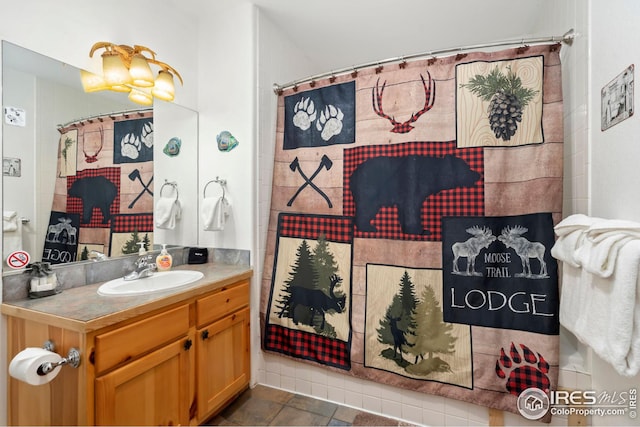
(82, 309)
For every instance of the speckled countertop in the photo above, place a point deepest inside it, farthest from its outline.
(83, 310)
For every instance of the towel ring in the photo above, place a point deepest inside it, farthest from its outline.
(171, 184)
(222, 183)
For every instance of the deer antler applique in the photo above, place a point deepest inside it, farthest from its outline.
(405, 127)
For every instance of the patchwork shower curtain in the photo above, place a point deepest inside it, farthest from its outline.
(103, 198)
(411, 224)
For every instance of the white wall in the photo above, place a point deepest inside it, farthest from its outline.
(273, 65)
(227, 102)
(614, 174)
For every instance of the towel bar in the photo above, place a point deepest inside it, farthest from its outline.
(222, 183)
(171, 184)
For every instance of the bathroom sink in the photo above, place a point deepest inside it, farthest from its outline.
(159, 281)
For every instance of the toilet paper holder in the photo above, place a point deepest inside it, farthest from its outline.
(72, 359)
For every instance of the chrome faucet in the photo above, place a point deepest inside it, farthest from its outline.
(97, 256)
(143, 268)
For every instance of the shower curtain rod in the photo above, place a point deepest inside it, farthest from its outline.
(566, 38)
(112, 115)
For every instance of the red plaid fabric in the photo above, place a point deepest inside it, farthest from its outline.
(525, 377)
(74, 204)
(335, 229)
(308, 346)
(453, 202)
(134, 222)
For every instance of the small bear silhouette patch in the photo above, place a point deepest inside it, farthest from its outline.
(405, 182)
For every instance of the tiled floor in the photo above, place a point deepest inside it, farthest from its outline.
(266, 406)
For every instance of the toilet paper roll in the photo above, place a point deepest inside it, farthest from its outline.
(24, 366)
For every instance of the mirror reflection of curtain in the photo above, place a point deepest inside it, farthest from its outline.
(103, 198)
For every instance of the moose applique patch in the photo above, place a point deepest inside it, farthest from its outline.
(499, 272)
(309, 307)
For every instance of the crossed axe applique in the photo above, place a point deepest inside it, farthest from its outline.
(135, 174)
(325, 163)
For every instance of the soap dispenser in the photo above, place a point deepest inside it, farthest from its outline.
(142, 250)
(164, 260)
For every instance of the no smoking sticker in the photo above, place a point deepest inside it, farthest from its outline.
(18, 259)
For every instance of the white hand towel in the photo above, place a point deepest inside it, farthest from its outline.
(168, 210)
(214, 213)
(604, 313)
(9, 220)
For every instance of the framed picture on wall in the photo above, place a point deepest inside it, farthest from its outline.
(617, 99)
(11, 166)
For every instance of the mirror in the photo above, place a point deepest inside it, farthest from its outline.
(39, 94)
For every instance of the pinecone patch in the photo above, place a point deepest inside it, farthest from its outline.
(507, 99)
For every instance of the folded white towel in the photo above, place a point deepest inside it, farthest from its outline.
(566, 246)
(573, 223)
(168, 210)
(599, 257)
(592, 243)
(214, 213)
(604, 313)
(9, 220)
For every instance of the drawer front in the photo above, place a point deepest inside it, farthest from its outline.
(222, 303)
(128, 342)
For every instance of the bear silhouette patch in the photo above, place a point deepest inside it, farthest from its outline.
(405, 182)
(95, 192)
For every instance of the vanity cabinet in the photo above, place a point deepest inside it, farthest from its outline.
(178, 364)
(153, 388)
(222, 348)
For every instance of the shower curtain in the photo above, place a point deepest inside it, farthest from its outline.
(103, 197)
(411, 224)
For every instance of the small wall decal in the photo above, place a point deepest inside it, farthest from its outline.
(617, 99)
(226, 141)
(172, 148)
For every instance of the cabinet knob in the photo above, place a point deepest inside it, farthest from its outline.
(187, 344)
(205, 334)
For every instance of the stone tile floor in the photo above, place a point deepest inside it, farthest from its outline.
(267, 406)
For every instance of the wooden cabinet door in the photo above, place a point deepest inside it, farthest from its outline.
(152, 390)
(223, 361)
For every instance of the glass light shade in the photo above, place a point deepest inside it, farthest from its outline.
(92, 82)
(141, 96)
(164, 88)
(114, 70)
(120, 88)
(140, 71)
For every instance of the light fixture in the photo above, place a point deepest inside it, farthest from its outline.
(127, 69)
